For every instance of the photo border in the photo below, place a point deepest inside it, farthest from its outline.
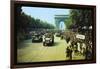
(13, 51)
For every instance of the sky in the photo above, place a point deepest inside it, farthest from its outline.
(45, 14)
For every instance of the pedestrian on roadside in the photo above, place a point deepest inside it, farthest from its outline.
(69, 52)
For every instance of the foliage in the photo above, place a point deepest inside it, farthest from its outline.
(78, 18)
(25, 23)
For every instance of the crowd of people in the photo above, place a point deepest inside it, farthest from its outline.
(77, 46)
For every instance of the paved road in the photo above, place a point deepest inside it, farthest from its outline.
(36, 52)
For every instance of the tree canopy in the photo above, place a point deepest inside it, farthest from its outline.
(78, 18)
(25, 23)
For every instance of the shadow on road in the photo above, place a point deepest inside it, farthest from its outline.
(55, 44)
(20, 46)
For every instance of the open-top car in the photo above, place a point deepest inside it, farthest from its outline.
(37, 37)
(58, 34)
(48, 39)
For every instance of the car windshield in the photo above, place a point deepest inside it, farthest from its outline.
(48, 35)
(37, 35)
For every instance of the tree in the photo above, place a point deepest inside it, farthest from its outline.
(78, 18)
(25, 23)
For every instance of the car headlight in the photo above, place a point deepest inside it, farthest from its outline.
(50, 40)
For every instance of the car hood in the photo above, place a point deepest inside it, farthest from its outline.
(47, 38)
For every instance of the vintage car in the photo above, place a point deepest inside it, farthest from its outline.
(58, 34)
(37, 37)
(48, 39)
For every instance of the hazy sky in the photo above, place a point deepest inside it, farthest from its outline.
(45, 14)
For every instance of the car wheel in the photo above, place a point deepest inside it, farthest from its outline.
(43, 43)
(52, 42)
(41, 40)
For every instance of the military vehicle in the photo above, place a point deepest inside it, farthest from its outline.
(48, 39)
(37, 37)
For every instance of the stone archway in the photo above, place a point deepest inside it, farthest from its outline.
(59, 19)
(62, 25)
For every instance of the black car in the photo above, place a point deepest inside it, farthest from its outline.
(48, 39)
(37, 37)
